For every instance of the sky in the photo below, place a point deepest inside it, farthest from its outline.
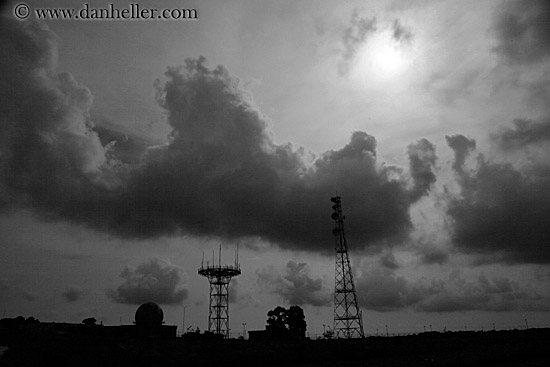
(131, 147)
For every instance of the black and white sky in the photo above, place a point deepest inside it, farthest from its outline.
(130, 147)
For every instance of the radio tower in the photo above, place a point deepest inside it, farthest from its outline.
(348, 322)
(219, 277)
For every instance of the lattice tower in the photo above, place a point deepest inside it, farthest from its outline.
(219, 276)
(348, 321)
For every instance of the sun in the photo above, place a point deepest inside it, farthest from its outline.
(388, 59)
(381, 59)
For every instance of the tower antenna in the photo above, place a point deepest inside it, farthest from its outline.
(219, 278)
(348, 320)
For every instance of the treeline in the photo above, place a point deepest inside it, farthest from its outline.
(17, 322)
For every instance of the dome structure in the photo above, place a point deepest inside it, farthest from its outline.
(149, 315)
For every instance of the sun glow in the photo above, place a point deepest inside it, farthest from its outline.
(381, 59)
(387, 59)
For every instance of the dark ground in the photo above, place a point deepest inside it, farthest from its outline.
(501, 348)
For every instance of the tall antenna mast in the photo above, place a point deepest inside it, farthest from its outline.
(219, 277)
(348, 321)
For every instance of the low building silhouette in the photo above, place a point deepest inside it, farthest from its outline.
(149, 323)
(276, 335)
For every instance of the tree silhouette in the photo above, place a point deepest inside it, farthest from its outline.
(277, 319)
(31, 320)
(296, 319)
(18, 322)
(89, 321)
(280, 319)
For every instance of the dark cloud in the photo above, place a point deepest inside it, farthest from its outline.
(400, 33)
(502, 210)
(383, 290)
(126, 148)
(152, 281)
(462, 147)
(297, 287)
(72, 294)
(523, 133)
(433, 255)
(9, 290)
(380, 289)
(422, 159)
(354, 36)
(389, 261)
(47, 147)
(220, 173)
(523, 31)
(498, 295)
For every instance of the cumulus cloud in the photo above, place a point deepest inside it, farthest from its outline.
(72, 294)
(126, 147)
(49, 153)
(220, 173)
(502, 210)
(381, 289)
(152, 281)
(354, 36)
(297, 287)
(462, 147)
(523, 31)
